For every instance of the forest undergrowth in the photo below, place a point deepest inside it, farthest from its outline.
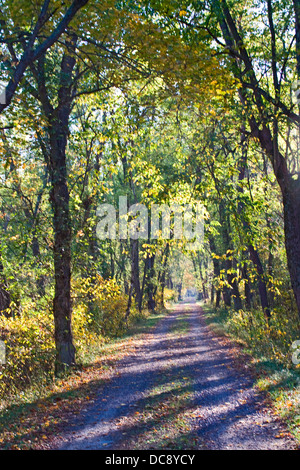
(269, 348)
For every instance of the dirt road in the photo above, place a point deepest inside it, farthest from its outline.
(181, 389)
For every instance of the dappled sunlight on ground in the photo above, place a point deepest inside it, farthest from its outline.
(180, 388)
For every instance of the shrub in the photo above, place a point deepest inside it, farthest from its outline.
(30, 350)
(102, 305)
(270, 339)
(170, 295)
(99, 312)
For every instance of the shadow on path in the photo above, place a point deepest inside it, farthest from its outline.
(224, 408)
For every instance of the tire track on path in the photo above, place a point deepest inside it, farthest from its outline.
(99, 427)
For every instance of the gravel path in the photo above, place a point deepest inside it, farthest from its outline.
(227, 411)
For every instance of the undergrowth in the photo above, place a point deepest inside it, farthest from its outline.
(99, 319)
(32, 412)
(270, 345)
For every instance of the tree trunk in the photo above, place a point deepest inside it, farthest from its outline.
(253, 253)
(135, 270)
(149, 283)
(41, 280)
(163, 275)
(262, 288)
(62, 308)
(216, 265)
(247, 289)
(161, 278)
(212, 294)
(290, 188)
(233, 290)
(58, 130)
(296, 4)
(291, 206)
(218, 298)
(197, 262)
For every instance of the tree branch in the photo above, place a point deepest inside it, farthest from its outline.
(29, 56)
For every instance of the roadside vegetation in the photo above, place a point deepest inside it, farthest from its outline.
(35, 410)
(269, 352)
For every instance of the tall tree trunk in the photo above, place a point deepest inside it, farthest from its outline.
(296, 4)
(247, 289)
(62, 308)
(262, 288)
(202, 279)
(290, 188)
(253, 253)
(161, 277)
(212, 294)
(216, 265)
(163, 274)
(135, 270)
(58, 130)
(149, 283)
(41, 278)
(291, 204)
(228, 262)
